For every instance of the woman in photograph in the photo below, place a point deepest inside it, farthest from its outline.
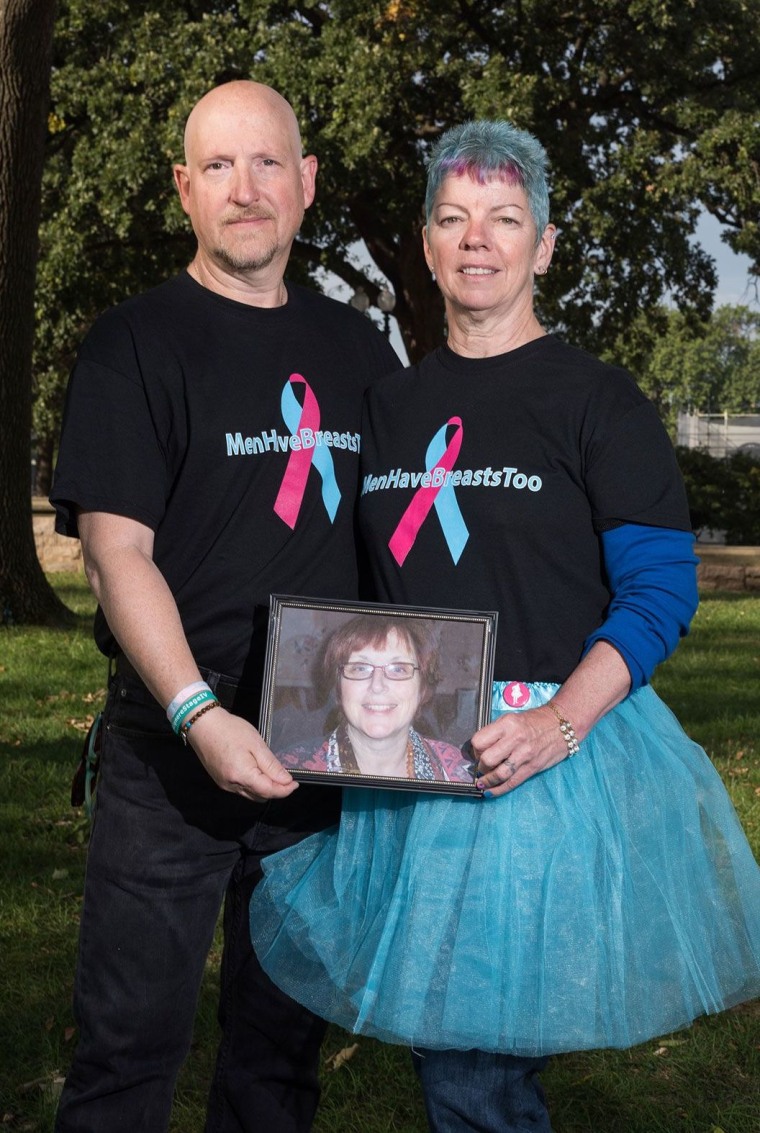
(381, 672)
(601, 891)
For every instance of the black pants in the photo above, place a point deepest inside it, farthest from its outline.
(167, 848)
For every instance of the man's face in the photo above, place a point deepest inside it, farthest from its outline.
(245, 185)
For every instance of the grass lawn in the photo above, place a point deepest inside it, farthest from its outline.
(704, 1080)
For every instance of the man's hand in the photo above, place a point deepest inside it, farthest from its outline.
(237, 759)
(143, 617)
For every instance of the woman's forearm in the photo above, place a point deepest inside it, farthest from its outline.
(600, 681)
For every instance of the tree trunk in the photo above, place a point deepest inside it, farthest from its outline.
(26, 39)
(42, 473)
(420, 309)
(419, 305)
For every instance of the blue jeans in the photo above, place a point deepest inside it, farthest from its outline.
(471, 1091)
(167, 847)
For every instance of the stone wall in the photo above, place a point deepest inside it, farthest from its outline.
(728, 568)
(55, 552)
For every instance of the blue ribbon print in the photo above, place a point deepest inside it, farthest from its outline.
(446, 505)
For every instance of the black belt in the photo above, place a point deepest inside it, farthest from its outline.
(224, 688)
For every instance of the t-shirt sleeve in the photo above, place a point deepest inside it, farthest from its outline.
(380, 356)
(110, 457)
(631, 472)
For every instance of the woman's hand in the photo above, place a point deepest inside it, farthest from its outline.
(516, 746)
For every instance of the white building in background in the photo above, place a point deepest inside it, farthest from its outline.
(720, 434)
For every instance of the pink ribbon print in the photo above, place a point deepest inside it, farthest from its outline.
(443, 455)
(302, 420)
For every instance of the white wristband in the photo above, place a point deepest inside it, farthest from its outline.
(181, 697)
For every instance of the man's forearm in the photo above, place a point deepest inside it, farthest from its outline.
(139, 608)
(143, 616)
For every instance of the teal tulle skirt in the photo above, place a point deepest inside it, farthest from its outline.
(610, 899)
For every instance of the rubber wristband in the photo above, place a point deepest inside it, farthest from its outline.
(189, 706)
(181, 697)
(567, 729)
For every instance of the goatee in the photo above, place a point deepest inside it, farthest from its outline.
(245, 261)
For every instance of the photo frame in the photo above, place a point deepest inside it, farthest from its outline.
(418, 688)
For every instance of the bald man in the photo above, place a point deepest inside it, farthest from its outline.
(185, 409)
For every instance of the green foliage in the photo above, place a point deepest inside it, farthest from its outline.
(699, 367)
(723, 495)
(647, 108)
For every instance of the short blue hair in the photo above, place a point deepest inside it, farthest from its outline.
(492, 148)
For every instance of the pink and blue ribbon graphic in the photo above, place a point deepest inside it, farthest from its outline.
(443, 455)
(306, 418)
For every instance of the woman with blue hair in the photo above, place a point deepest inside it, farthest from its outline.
(600, 891)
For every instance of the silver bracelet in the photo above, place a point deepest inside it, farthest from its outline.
(567, 729)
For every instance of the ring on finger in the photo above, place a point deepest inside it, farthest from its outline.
(510, 765)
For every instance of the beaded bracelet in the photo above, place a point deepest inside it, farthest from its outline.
(189, 706)
(188, 725)
(568, 731)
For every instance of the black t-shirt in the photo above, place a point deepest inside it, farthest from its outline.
(538, 451)
(233, 432)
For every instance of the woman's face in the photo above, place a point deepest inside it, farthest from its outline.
(481, 244)
(378, 707)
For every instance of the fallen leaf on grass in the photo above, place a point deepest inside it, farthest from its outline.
(91, 697)
(342, 1056)
(35, 1083)
(661, 1050)
(81, 725)
(54, 1084)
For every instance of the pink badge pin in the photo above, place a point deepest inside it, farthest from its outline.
(516, 695)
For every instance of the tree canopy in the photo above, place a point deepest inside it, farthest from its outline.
(713, 369)
(648, 109)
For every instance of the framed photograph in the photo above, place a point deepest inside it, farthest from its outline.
(377, 695)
